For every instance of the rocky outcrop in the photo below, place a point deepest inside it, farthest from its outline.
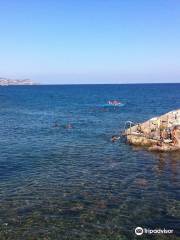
(158, 134)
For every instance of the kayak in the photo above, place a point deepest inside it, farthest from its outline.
(113, 105)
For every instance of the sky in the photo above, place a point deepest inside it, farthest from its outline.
(96, 41)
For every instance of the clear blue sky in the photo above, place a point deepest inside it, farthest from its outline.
(90, 41)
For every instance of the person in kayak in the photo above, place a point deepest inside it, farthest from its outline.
(114, 102)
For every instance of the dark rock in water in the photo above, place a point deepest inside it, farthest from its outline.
(77, 207)
(114, 138)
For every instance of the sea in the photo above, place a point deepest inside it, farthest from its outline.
(61, 176)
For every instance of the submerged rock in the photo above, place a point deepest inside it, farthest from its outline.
(157, 134)
(141, 182)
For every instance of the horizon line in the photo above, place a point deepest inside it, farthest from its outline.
(106, 83)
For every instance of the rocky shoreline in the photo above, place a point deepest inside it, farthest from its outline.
(157, 134)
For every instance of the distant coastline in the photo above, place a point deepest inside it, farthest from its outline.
(27, 81)
(8, 82)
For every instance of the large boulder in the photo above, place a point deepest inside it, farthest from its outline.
(159, 133)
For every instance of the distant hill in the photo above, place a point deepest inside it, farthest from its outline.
(8, 81)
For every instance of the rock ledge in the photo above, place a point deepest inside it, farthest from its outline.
(157, 134)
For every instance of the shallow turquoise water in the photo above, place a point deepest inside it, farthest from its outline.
(73, 183)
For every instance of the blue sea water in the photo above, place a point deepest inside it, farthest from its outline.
(62, 178)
